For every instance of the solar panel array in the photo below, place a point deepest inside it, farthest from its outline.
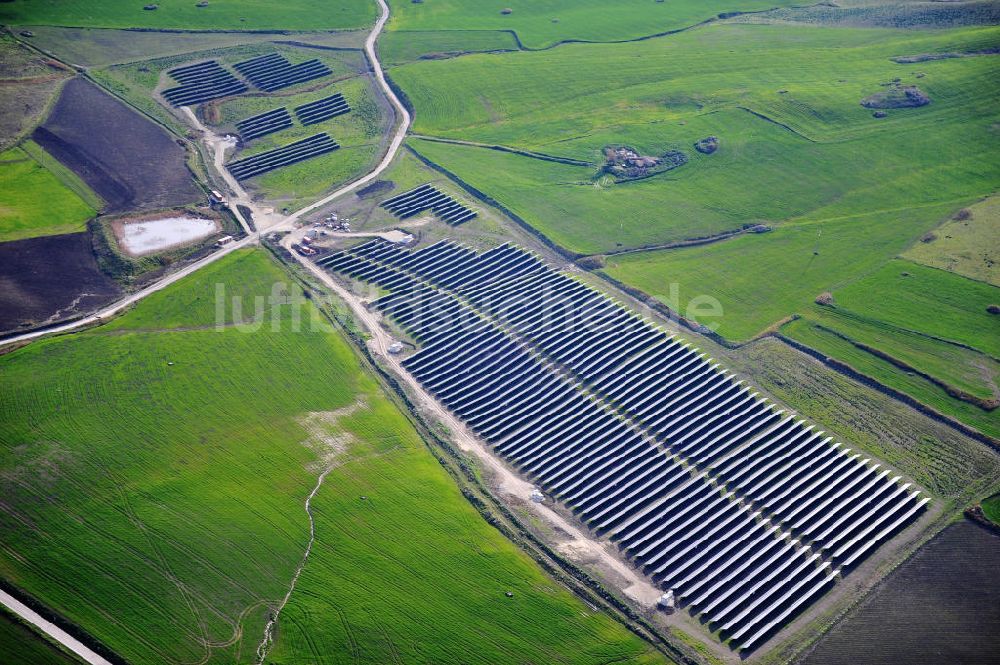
(318, 144)
(428, 197)
(263, 124)
(745, 511)
(202, 82)
(322, 109)
(273, 71)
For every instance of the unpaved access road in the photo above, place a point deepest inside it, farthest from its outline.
(52, 630)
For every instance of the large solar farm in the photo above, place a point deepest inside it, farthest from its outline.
(746, 513)
(645, 332)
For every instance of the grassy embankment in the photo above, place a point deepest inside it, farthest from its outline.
(20, 646)
(396, 48)
(154, 475)
(920, 330)
(183, 15)
(991, 508)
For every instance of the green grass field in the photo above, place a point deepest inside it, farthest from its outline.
(404, 570)
(184, 15)
(542, 24)
(969, 247)
(35, 199)
(933, 321)
(154, 477)
(666, 93)
(929, 301)
(991, 508)
(20, 645)
(806, 331)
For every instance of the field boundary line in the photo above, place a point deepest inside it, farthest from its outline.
(864, 379)
(502, 148)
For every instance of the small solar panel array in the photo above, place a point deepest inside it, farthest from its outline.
(264, 124)
(428, 197)
(322, 109)
(273, 71)
(202, 82)
(747, 512)
(314, 146)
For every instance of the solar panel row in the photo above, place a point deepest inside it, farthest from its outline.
(273, 71)
(743, 510)
(428, 197)
(202, 82)
(264, 124)
(318, 144)
(322, 109)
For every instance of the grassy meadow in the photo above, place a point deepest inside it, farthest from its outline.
(154, 472)
(795, 144)
(37, 196)
(991, 508)
(543, 24)
(967, 244)
(184, 15)
(404, 570)
(905, 315)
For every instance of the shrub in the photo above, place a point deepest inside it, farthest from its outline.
(595, 262)
(825, 299)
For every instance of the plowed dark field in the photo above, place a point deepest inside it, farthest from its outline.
(131, 162)
(942, 606)
(54, 277)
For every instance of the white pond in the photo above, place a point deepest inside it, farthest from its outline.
(154, 235)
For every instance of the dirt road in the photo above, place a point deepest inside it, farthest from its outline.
(52, 630)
